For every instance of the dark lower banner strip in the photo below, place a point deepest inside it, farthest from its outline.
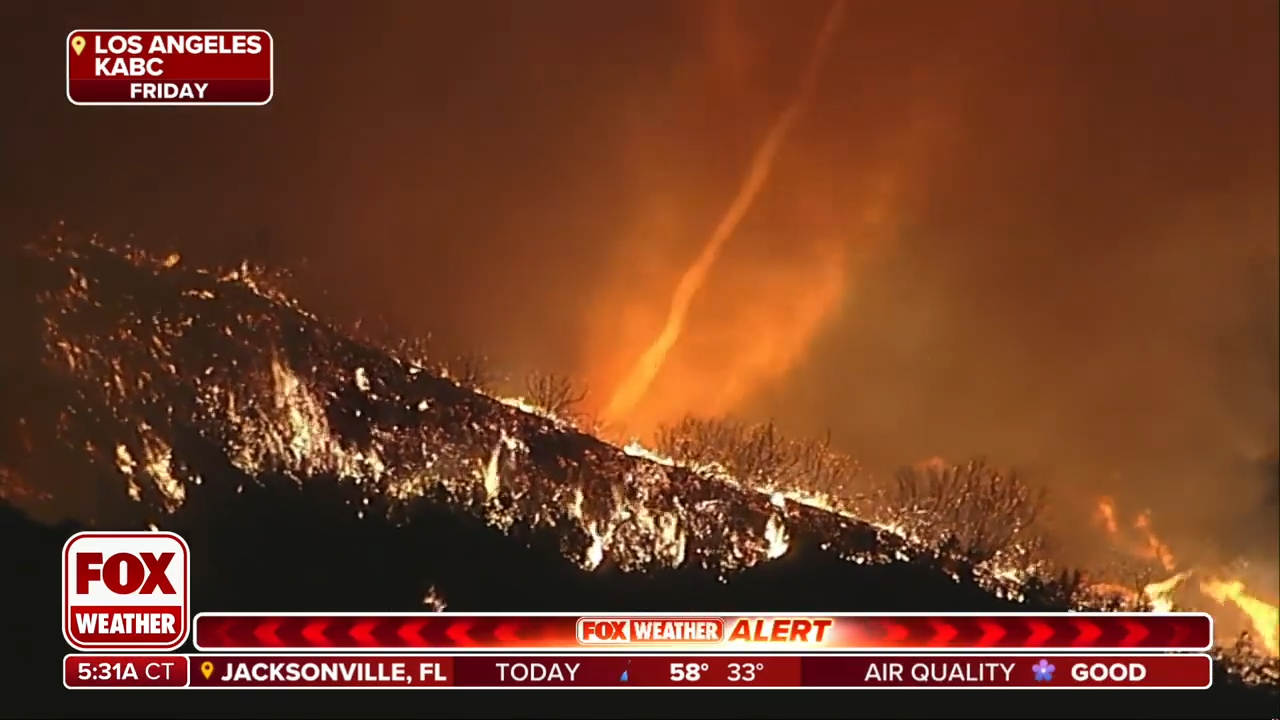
(975, 671)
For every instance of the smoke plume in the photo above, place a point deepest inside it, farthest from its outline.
(1042, 232)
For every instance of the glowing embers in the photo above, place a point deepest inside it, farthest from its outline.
(283, 394)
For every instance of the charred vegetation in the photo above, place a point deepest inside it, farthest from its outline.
(311, 471)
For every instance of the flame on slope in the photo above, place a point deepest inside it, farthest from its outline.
(241, 366)
(14, 488)
(1262, 616)
(156, 351)
(434, 601)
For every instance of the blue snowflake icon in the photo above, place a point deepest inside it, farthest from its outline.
(1043, 671)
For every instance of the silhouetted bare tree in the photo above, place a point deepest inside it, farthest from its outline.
(558, 395)
(977, 510)
(470, 370)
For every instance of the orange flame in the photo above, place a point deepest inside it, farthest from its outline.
(1148, 546)
(1155, 549)
(1107, 514)
(1263, 616)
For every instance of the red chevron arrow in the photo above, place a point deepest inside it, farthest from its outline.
(896, 633)
(457, 632)
(1180, 632)
(506, 633)
(1137, 633)
(1040, 632)
(362, 632)
(991, 633)
(943, 633)
(313, 632)
(1089, 633)
(408, 632)
(266, 632)
(220, 634)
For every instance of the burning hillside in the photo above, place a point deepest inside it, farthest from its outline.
(153, 372)
(160, 356)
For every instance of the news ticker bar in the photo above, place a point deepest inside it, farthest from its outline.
(575, 632)
(597, 671)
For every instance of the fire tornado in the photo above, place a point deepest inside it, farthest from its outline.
(638, 380)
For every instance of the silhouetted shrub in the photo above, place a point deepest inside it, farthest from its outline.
(973, 509)
(470, 371)
(1247, 662)
(759, 456)
(1064, 590)
(1078, 590)
(971, 512)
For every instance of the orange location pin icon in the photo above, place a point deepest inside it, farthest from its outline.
(206, 669)
(77, 44)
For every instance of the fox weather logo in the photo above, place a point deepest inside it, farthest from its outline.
(1043, 671)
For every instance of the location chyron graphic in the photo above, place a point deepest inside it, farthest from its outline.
(170, 67)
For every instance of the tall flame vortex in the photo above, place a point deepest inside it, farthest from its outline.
(637, 382)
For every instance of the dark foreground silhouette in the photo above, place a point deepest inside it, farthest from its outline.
(244, 424)
(280, 548)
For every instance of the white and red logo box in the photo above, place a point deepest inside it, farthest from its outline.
(126, 591)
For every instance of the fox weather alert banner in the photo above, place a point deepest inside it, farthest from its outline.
(127, 605)
(570, 632)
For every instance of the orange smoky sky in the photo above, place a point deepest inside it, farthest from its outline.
(1043, 232)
